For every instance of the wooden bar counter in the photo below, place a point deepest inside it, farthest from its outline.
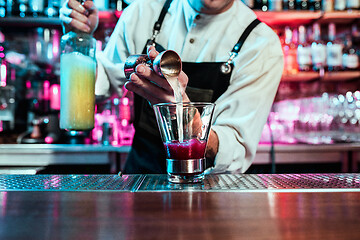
(279, 206)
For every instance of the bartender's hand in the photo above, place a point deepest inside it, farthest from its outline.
(149, 85)
(83, 17)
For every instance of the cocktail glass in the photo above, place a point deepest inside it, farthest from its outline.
(184, 129)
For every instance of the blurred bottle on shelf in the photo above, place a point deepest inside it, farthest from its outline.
(3, 65)
(101, 5)
(52, 8)
(315, 5)
(302, 4)
(352, 4)
(249, 3)
(327, 5)
(36, 8)
(275, 5)
(318, 49)
(262, 5)
(20, 8)
(44, 46)
(113, 121)
(350, 59)
(333, 50)
(290, 51)
(289, 5)
(339, 5)
(303, 51)
(2, 8)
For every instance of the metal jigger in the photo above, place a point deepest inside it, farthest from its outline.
(167, 63)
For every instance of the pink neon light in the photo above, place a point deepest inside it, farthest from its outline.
(46, 90)
(49, 140)
(55, 97)
(56, 41)
(125, 101)
(124, 122)
(28, 84)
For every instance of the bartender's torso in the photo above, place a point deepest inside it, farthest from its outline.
(185, 31)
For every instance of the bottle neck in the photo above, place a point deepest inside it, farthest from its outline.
(302, 35)
(317, 32)
(332, 32)
(288, 35)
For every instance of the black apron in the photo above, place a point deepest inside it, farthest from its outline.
(207, 82)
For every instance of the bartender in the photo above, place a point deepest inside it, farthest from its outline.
(242, 84)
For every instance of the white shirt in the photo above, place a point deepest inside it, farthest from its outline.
(242, 111)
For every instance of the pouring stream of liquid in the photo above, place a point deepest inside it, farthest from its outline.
(175, 84)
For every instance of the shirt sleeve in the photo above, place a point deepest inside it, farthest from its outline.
(110, 70)
(241, 112)
(122, 44)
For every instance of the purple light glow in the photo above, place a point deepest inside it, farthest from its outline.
(49, 140)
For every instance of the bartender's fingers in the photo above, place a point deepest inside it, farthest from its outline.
(84, 27)
(73, 15)
(89, 5)
(129, 85)
(148, 90)
(152, 53)
(147, 73)
(93, 14)
(77, 6)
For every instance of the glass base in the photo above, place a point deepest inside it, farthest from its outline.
(181, 178)
(185, 171)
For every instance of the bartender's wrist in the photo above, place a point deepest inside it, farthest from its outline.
(212, 145)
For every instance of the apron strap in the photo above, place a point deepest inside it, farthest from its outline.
(158, 23)
(245, 34)
(227, 66)
(156, 29)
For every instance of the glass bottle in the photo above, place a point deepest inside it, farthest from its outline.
(315, 5)
(290, 51)
(119, 5)
(302, 5)
(52, 8)
(349, 58)
(333, 50)
(289, 5)
(20, 8)
(3, 65)
(77, 81)
(249, 3)
(352, 4)
(303, 51)
(318, 49)
(275, 5)
(339, 5)
(262, 5)
(327, 5)
(36, 7)
(2, 8)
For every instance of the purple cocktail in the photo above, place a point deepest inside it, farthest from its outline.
(189, 149)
